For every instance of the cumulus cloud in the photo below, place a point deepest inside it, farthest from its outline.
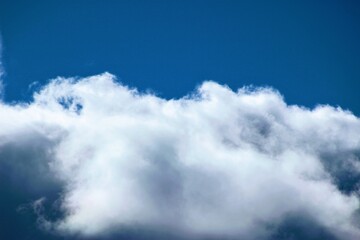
(212, 164)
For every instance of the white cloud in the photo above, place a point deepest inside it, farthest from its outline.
(215, 163)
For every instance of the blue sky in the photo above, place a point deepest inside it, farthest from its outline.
(309, 51)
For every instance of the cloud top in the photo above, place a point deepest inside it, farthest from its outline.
(213, 163)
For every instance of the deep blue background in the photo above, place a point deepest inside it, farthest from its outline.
(309, 50)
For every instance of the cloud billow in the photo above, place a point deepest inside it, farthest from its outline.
(214, 163)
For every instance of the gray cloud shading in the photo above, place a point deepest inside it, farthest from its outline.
(216, 164)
